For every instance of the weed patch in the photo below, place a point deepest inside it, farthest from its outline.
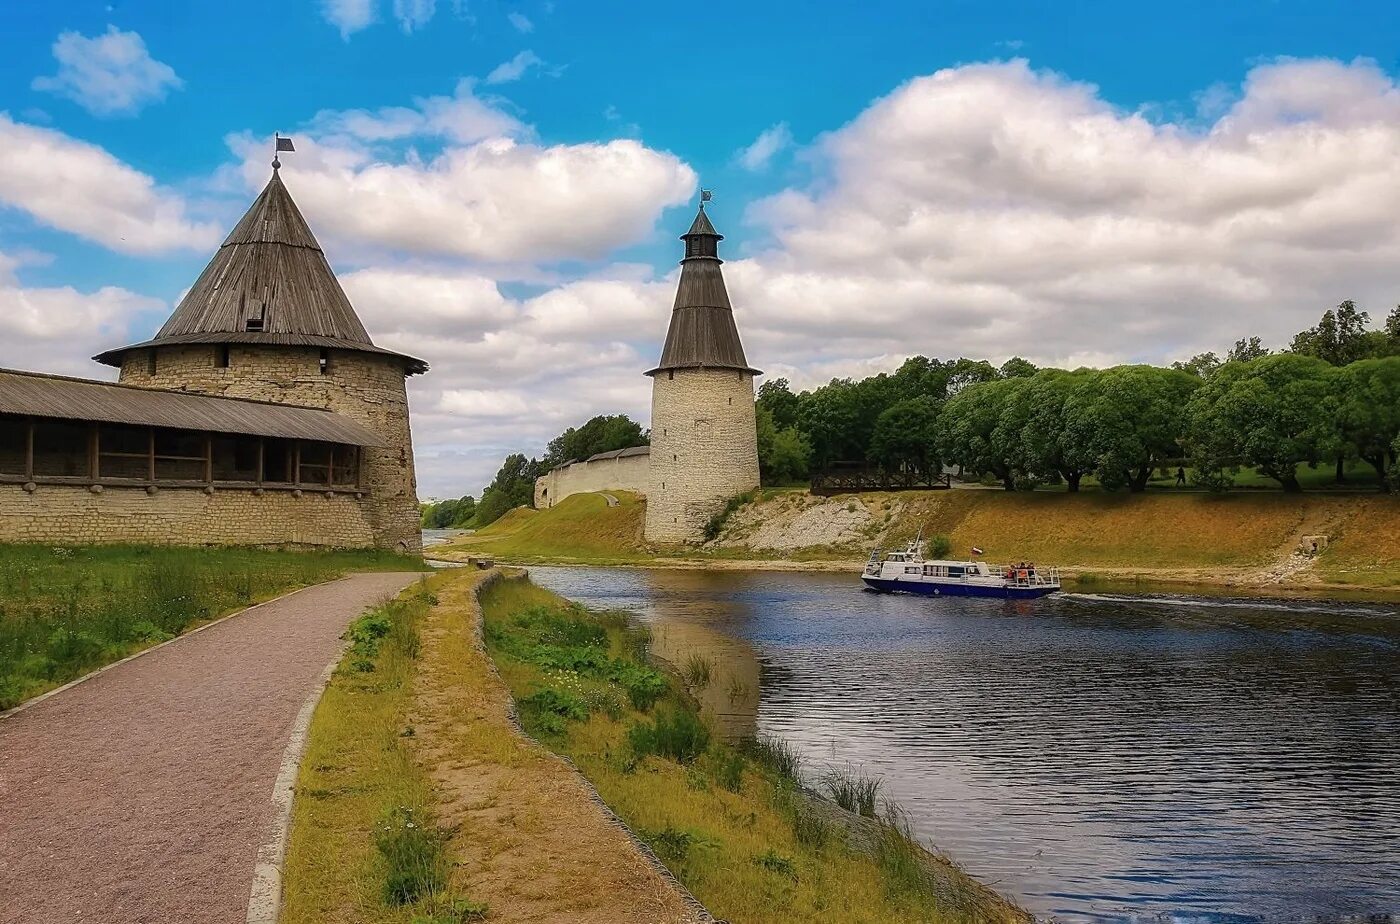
(678, 735)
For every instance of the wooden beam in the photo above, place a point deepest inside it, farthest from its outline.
(29, 451)
(151, 453)
(94, 469)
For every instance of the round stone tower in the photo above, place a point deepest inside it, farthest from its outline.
(268, 320)
(704, 444)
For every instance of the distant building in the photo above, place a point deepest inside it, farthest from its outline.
(704, 443)
(261, 414)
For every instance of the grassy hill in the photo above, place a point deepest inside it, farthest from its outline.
(1244, 539)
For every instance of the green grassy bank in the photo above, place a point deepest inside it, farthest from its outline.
(733, 823)
(1237, 539)
(64, 612)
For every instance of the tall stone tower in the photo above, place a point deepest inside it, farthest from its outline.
(268, 320)
(704, 445)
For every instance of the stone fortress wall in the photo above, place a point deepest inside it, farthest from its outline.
(64, 515)
(365, 387)
(616, 473)
(703, 450)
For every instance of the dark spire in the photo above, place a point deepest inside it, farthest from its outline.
(268, 283)
(702, 334)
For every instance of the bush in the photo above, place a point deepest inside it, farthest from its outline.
(413, 855)
(644, 686)
(715, 526)
(557, 702)
(729, 771)
(776, 863)
(678, 735)
(669, 843)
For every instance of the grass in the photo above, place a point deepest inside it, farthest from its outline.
(732, 823)
(364, 846)
(66, 611)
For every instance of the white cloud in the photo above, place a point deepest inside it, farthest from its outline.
(521, 22)
(515, 68)
(414, 14)
(498, 200)
(765, 147)
(57, 329)
(991, 209)
(80, 188)
(462, 117)
(349, 16)
(109, 74)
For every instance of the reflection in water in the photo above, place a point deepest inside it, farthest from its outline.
(1098, 757)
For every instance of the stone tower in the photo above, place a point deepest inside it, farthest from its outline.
(268, 320)
(704, 445)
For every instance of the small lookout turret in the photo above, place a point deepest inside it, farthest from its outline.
(704, 443)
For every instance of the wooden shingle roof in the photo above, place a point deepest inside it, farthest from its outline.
(268, 283)
(33, 394)
(702, 334)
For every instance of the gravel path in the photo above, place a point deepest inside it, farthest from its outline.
(143, 794)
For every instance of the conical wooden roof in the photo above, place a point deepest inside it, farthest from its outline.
(702, 334)
(269, 283)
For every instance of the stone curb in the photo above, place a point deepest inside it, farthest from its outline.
(30, 703)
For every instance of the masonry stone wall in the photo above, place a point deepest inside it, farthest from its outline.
(704, 449)
(365, 387)
(74, 515)
(625, 473)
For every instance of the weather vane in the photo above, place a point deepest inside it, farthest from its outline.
(705, 196)
(282, 144)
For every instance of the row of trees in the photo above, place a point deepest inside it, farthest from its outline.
(1333, 396)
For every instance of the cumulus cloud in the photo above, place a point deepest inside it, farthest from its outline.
(993, 209)
(765, 147)
(57, 329)
(80, 188)
(521, 22)
(499, 200)
(349, 16)
(108, 75)
(515, 68)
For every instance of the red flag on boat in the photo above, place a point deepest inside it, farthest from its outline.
(976, 550)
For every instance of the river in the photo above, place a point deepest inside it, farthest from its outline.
(1097, 757)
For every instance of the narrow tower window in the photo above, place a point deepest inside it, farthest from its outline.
(221, 360)
(151, 362)
(325, 362)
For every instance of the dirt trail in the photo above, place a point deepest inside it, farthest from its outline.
(143, 794)
(530, 841)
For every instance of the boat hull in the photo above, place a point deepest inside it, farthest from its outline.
(930, 589)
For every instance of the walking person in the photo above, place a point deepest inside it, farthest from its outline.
(1181, 476)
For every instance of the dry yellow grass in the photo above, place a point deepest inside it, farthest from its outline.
(731, 833)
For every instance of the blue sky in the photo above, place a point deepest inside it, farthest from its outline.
(500, 185)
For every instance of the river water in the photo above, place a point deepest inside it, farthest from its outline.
(1097, 757)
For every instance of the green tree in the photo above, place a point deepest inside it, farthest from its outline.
(905, 436)
(975, 432)
(1245, 350)
(1017, 368)
(965, 372)
(513, 486)
(1392, 324)
(1202, 365)
(784, 456)
(1368, 411)
(1339, 337)
(1048, 449)
(1274, 413)
(776, 396)
(449, 513)
(604, 433)
(1128, 420)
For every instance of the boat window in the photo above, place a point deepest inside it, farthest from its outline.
(930, 569)
(955, 571)
(911, 569)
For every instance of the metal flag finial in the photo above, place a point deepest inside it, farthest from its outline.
(281, 144)
(705, 196)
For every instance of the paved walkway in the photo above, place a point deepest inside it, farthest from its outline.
(142, 795)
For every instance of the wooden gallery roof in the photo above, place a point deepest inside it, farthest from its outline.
(32, 394)
(269, 284)
(702, 334)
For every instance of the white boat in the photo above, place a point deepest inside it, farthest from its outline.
(908, 571)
